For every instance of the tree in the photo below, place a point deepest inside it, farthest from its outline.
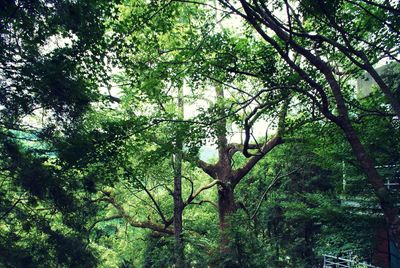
(160, 64)
(317, 71)
(178, 202)
(43, 88)
(180, 75)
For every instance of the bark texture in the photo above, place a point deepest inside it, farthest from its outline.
(178, 202)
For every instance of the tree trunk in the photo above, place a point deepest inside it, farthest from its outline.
(386, 203)
(366, 162)
(178, 211)
(178, 202)
(226, 206)
(257, 17)
(226, 200)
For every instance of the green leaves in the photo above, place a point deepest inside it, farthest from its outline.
(97, 119)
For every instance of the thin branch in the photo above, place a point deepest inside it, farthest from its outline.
(12, 207)
(157, 206)
(200, 3)
(110, 218)
(274, 181)
(201, 189)
(388, 8)
(191, 185)
(204, 201)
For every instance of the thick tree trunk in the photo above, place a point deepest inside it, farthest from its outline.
(226, 206)
(228, 178)
(226, 200)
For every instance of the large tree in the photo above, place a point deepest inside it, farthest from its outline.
(319, 59)
(181, 77)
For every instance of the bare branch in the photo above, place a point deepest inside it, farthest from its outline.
(204, 201)
(237, 147)
(201, 189)
(274, 181)
(267, 147)
(191, 185)
(157, 206)
(12, 207)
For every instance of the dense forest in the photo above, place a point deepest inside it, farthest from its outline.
(196, 133)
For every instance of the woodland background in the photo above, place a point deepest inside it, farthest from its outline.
(159, 133)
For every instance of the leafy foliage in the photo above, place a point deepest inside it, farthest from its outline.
(91, 120)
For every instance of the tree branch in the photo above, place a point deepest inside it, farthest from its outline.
(12, 207)
(274, 181)
(110, 218)
(138, 224)
(201, 189)
(207, 168)
(267, 147)
(204, 201)
(157, 206)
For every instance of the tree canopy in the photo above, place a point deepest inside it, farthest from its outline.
(179, 133)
